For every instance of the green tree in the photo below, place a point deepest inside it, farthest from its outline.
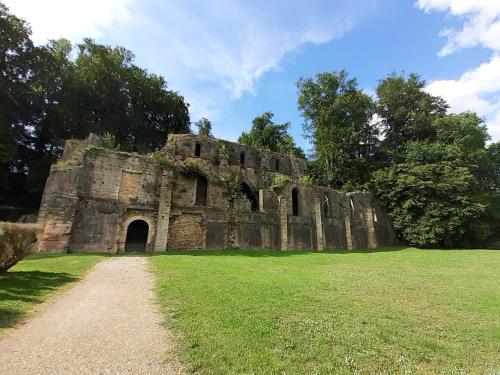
(20, 104)
(266, 135)
(101, 91)
(18, 65)
(59, 91)
(204, 127)
(337, 120)
(435, 195)
(406, 112)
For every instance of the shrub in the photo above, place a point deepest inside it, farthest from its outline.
(108, 141)
(15, 244)
(161, 159)
(223, 146)
(191, 169)
(306, 180)
(232, 183)
(279, 183)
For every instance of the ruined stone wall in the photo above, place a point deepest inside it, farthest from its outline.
(93, 195)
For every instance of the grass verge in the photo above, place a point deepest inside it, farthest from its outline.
(35, 278)
(384, 311)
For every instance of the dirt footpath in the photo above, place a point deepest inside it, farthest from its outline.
(105, 324)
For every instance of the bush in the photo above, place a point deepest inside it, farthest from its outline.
(161, 159)
(279, 183)
(191, 169)
(15, 243)
(306, 180)
(108, 141)
(232, 183)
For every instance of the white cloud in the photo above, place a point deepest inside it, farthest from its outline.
(211, 51)
(494, 127)
(481, 26)
(478, 89)
(235, 43)
(475, 90)
(52, 19)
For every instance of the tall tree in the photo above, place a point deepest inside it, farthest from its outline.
(55, 92)
(266, 135)
(406, 112)
(103, 91)
(204, 127)
(435, 194)
(20, 99)
(337, 120)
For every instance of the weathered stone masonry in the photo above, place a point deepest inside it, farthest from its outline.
(104, 200)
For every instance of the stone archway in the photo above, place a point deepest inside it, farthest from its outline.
(137, 236)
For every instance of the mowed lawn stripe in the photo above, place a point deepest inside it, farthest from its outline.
(369, 311)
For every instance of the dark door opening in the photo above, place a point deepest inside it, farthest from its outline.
(137, 236)
(250, 195)
(295, 202)
(201, 191)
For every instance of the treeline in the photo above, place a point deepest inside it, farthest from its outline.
(435, 171)
(60, 91)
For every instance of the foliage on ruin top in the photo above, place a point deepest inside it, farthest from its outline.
(279, 183)
(160, 158)
(231, 182)
(191, 169)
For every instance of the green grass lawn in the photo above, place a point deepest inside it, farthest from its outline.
(35, 278)
(385, 311)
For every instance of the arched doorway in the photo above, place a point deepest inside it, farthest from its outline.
(250, 195)
(137, 236)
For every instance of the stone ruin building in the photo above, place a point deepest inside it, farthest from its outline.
(198, 192)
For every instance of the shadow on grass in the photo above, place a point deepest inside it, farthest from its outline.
(19, 290)
(267, 253)
(59, 255)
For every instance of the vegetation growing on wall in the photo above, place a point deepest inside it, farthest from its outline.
(191, 169)
(231, 182)
(279, 183)
(160, 158)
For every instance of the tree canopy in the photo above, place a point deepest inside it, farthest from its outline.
(434, 171)
(59, 91)
(337, 121)
(266, 135)
(204, 127)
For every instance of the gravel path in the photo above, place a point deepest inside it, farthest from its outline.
(105, 324)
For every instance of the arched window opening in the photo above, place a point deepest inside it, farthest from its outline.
(250, 195)
(326, 207)
(242, 158)
(197, 149)
(277, 164)
(201, 191)
(295, 202)
(137, 236)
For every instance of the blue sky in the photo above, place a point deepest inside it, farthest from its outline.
(233, 60)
